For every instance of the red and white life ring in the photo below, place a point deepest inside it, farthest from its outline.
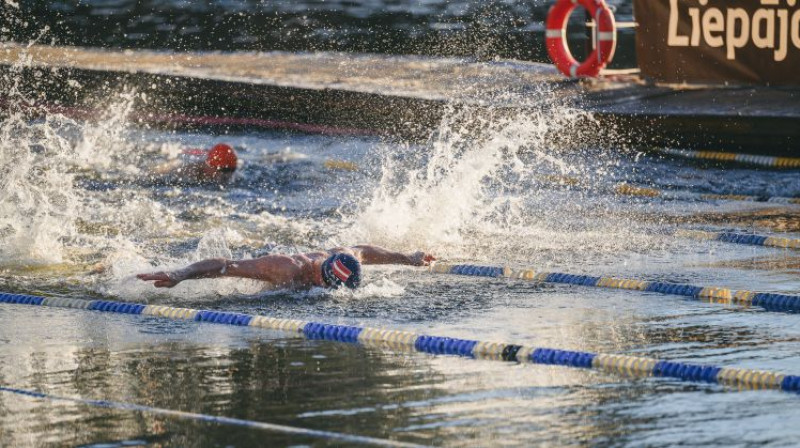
(606, 37)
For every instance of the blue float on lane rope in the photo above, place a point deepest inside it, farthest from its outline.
(402, 340)
(769, 301)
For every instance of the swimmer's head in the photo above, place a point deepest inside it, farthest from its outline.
(222, 158)
(341, 269)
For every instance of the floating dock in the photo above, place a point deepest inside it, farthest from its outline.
(405, 96)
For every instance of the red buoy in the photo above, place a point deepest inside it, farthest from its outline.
(606, 38)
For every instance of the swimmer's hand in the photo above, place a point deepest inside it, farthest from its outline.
(161, 279)
(421, 258)
(211, 268)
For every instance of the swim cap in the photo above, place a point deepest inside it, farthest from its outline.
(222, 157)
(341, 268)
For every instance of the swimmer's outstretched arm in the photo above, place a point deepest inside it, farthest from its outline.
(369, 254)
(275, 269)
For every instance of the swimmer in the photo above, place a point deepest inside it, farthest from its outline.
(326, 269)
(205, 167)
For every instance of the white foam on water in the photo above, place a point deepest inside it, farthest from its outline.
(381, 288)
(473, 192)
(125, 264)
(46, 217)
(38, 202)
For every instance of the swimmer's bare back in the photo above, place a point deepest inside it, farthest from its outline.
(298, 271)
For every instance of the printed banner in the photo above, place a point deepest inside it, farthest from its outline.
(718, 41)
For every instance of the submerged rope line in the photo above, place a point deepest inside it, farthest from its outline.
(631, 190)
(727, 237)
(775, 162)
(213, 419)
(633, 366)
(626, 189)
(741, 238)
(713, 294)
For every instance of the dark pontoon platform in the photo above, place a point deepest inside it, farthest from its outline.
(400, 95)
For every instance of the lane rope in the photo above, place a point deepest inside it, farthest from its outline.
(770, 161)
(740, 238)
(213, 419)
(632, 190)
(626, 189)
(398, 340)
(726, 237)
(712, 294)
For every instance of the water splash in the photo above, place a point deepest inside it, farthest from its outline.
(476, 191)
(46, 216)
(38, 201)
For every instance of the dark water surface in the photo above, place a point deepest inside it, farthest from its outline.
(76, 195)
(482, 30)
(80, 215)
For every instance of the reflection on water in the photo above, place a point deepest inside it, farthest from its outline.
(79, 217)
(485, 30)
(250, 374)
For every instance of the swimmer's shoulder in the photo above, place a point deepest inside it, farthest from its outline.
(324, 254)
(341, 250)
(310, 257)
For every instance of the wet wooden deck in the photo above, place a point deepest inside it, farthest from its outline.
(403, 95)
